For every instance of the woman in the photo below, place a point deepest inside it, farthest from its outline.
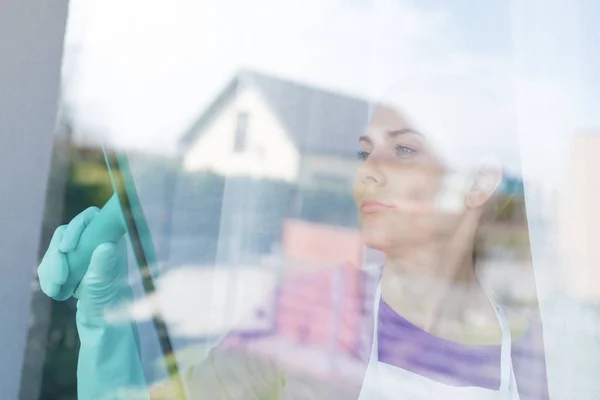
(432, 331)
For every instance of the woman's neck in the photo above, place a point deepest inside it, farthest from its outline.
(425, 288)
(435, 287)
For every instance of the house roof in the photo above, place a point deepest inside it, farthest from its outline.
(317, 120)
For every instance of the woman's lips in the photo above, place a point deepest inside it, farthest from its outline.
(374, 206)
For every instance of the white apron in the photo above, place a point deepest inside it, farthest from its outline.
(387, 382)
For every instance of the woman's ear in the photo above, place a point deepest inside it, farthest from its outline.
(486, 181)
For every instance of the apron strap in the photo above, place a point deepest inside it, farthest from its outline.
(505, 352)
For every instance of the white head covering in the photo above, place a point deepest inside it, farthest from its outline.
(464, 123)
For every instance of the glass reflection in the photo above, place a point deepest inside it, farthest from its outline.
(318, 245)
(287, 204)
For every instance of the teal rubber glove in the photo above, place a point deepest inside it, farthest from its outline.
(76, 242)
(109, 364)
(53, 271)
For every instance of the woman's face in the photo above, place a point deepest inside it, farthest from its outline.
(397, 186)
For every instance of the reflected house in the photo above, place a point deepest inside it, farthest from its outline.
(271, 129)
(265, 127)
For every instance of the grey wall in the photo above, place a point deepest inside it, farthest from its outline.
(31, 37)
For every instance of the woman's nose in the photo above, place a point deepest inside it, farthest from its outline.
(370, 174)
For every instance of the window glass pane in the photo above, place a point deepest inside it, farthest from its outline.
(354, 198)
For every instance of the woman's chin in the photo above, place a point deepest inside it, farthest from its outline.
(389, 240)
(375, 239)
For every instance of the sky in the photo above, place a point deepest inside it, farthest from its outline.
(138, 72)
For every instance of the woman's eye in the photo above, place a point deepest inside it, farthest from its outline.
(405, 152)
(362, 155)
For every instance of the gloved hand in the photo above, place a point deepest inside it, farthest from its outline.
(70, 252)
(109, 357)
(105, 282)
(53, 271)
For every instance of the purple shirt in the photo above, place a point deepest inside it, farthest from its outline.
(407, 346)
